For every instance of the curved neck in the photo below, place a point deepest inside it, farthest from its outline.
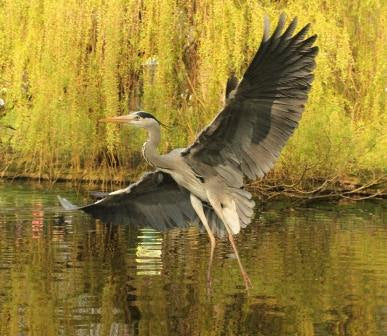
(150, 151)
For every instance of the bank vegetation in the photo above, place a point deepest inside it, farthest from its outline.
(66, 64)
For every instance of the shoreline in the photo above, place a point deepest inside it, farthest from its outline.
(267, 189)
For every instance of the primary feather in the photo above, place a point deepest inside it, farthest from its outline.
(244, 140)
(246, 137)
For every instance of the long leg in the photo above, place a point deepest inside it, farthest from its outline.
(198, 207)
(246, 278)
(218, 210)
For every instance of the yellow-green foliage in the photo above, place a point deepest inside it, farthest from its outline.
(65, 64)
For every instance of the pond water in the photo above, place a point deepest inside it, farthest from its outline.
(320, 270)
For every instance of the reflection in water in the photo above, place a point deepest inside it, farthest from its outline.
(148, 252)
(37, 220)
(317, 272)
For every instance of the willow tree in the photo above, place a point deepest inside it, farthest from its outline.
(66, 64)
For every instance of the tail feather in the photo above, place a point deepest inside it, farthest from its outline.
(243, 218)
(244, 206)
(235, 207)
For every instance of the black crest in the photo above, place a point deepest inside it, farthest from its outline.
(144, 115)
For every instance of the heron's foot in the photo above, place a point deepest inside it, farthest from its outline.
(247, 280)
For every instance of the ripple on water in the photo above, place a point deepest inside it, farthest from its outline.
(314, 271)
(148, 252)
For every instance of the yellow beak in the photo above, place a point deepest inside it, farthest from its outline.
(125, 119)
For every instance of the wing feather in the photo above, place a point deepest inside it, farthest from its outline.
(247, 136)
(156, 201)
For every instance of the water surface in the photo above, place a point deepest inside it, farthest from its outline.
(316, 271)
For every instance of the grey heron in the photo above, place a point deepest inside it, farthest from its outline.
(243, 141)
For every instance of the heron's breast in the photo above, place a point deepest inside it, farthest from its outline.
(191, 182)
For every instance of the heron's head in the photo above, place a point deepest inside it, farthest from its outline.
(139, 118)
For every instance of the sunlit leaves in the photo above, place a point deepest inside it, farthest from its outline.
(66, 64)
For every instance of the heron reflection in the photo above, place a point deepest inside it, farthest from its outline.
(148, 252)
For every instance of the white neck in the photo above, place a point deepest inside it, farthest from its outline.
(150, 151)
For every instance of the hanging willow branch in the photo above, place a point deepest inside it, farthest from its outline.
(66, 64)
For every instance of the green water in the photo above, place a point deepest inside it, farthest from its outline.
(315, 271)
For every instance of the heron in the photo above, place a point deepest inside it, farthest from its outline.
(244, 140)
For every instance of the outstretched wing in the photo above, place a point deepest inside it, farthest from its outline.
(155, 201)
(246, 137)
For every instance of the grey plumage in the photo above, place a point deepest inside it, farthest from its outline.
(249, 133)
(155, 201)
(205, 181)
(232, 84)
